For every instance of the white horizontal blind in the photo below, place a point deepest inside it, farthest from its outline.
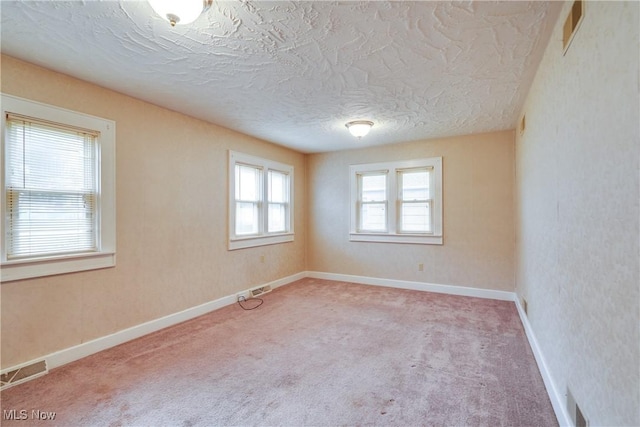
(51, 189)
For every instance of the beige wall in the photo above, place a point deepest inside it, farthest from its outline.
(171, 224)
(478, 250)
(577, 217)
(578, 212)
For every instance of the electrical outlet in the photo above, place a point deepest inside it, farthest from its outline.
(421, 267)
(262, 259)
(241, 297)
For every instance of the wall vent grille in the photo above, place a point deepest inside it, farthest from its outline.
(255, 292)
(578, 418)
(17, 375)
(572, 23)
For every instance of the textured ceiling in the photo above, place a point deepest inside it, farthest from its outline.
(295, 72)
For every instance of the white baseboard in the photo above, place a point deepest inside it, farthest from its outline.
(417, 286)
(88, 348)
(557, 399)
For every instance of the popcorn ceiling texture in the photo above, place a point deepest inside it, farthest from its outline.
(294, 73)
(578, 213)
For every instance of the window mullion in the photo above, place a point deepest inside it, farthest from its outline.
(392, 200)
(359, 209)
(264, 201)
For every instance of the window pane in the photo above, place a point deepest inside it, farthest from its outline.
(42, 223)
(373, 188)
(50, 158)
(415, 185)
(247, 183)
(373, 217)
(277, 217)
(415, 218)
(51, 189)
(246, 218)
(278, 187)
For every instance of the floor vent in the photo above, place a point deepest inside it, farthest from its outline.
(19, 375)
(256, 292)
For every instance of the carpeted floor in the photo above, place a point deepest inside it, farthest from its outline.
(316, 353)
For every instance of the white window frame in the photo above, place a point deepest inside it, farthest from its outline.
(105, 256)
(263, 237)
(392, 233)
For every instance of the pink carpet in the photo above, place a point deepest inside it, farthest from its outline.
(315, 353)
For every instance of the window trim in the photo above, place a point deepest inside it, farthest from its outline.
(263, 238)
(393, 202)
(40, 266)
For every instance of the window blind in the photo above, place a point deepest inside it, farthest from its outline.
(51, 188)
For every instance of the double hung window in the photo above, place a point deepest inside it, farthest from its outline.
(415, 200)
(398, 202)
(58, 196)
(260, 204)
(372, 201)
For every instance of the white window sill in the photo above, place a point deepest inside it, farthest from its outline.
(31, 268)
(253, 241)
(396, 238)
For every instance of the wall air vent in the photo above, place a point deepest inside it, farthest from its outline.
(20, 374)
(575, 412)
(572, 23)
(256, 292)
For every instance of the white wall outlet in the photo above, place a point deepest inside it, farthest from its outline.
(421, 267)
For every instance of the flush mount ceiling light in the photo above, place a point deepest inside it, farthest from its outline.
(359, 128)
(180, 11)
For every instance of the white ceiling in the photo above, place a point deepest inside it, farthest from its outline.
(295, 72)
